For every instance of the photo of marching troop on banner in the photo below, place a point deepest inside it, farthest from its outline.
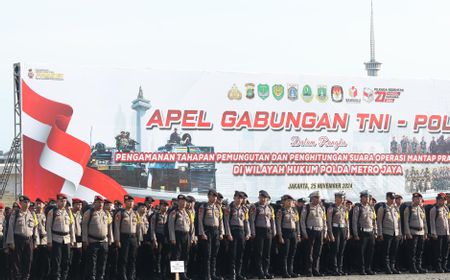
(436, 179)
(437, 145)
(160, 176)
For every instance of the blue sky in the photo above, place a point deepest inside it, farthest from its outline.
(323, 37)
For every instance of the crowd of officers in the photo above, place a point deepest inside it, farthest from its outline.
(217, 239)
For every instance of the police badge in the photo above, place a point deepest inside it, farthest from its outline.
(234, 93)
(292, 91)
(263, 91)
(307, 95)
(322, 93)
(249, 90)
(278, 91)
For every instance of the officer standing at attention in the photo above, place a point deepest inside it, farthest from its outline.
(263, 229)
(76, 270)
(238, 231)
(314, 228)
(390, 232)
(42, 261)
(440, 233)
(338, 232)
(181, 232)
(126, 237)
(365, 232)
(211, 231)
(160, 240)
(22, 233)
(288, 232)
(60, 237)
(97, 236)
(416, 233)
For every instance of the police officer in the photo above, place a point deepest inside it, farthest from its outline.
(288, 233)
(440, 233)
(415, 232)
(338, 232)
(211, 231)
(76, 270)
(22, 233)
(237, 230)
(97, 236)
(126, 238)
(314, 228)
(365, 232)
(60, 237)
(193, 267)
(143, 261)
(390, 232)
(263, 229)
(111, 264)
(41, 257)
(181, 232)
(160, 240)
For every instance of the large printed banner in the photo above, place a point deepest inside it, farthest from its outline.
(89, 131)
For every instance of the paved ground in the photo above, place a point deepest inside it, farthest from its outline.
(428, 276)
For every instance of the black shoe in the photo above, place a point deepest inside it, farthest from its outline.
(395, 271)
(240, 277)
(294, 275)
(371, 272)
(309, 274)
(422, 270)
(362, 272)
(262, 277)
(335, 273)
(269, 276)
(317, 274)
(286, 275)
(439, 270)
(342, 273)
(388, 271)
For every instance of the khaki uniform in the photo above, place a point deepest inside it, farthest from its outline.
(439, 221)
(42, 231)
(337, 217)
(60, 227)
(180, 220)
(97, 227)
(415, 222)
(128, 224)
(22, 231)
(339, 230)
(364, 220)
(77, 217)
(22, 224)
(314, 226)
(388, 221)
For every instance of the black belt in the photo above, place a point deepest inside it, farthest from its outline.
(96, 237)
(416, 228)
(129, 235)
(237, 227)
(60, 233)
(211, 227)
(21, 237)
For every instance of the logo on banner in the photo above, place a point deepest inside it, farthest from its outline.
(353, 93)
(368, 95)
(387, 95)
(249, 90)
(292, 91)
(263, 91)
(322, 93)
(307, 94)
(30, 73)
(337, 93)
(278, 91)
(234, 93)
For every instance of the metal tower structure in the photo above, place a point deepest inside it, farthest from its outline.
(140, 105)
(373, 66)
